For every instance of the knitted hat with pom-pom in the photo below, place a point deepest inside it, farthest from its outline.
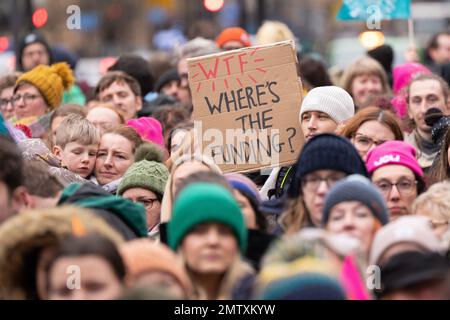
(51, 81)
(148, 171)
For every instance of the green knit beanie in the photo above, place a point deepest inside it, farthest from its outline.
(147, 172)
(205, 202)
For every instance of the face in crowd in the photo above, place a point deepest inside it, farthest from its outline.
(6, 103)
(183, 171)
(123, 98)
(149, 200)
(115, 155)
(354, 219)
(103, 118)
(315, 187)
(184, 93)
(423, 95)
(247, 210)
(369, 135)
(441, 54)
(171, 88)
(398, 184)
(364, 86)
(29, 102)
(34, 55)
(210, 248)
(316, 122)
(97, 279)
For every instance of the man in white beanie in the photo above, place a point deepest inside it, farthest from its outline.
(323, 110)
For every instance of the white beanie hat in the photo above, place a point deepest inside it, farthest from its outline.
(332, 100)
(409, 229)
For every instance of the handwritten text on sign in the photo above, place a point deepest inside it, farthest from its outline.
(254, 92)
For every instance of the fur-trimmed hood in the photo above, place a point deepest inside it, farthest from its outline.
(23, 236)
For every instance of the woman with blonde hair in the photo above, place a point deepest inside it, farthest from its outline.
(435, 204)
(273, 31)
(364, 79)
(180, 169)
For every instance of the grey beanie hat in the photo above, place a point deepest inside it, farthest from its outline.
(332, 100)
(356, 188)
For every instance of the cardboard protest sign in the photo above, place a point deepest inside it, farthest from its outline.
(246, 106)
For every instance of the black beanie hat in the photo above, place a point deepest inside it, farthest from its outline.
(137, 67)
(326, 152)
(384, 54)
(356, 188)
(166, 77)
(26, 41)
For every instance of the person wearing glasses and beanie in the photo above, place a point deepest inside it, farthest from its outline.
(324, 110)
(397, 174)
(144, 182)
(38, 92)
(324, 160)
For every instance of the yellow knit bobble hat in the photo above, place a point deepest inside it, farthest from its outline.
(51, 81)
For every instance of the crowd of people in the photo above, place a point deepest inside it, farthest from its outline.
(100, 200)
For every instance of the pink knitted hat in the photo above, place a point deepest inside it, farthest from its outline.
(393, 152)
(149, 129)
(402, 76)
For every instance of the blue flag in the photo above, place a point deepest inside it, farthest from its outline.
(361, 10)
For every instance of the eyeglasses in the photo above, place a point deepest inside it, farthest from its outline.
(312, 183)
(404, 186)
(5, 102)
(146, 202)
(27, 98)
(363, 142)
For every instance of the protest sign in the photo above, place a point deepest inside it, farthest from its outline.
(246, 106)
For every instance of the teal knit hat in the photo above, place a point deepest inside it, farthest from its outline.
(205, 202)
(147, 172)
